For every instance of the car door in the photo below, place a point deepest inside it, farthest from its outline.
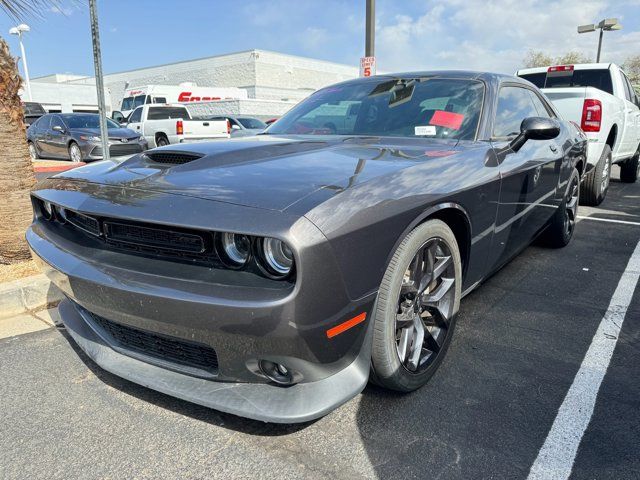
(40, 135)
(631, 132)
(529, 177)
(135, 121)
(58, 137)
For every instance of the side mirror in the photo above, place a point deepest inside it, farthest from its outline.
(57, 128)
(535, 128)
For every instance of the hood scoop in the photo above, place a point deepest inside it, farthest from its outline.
(173, 158)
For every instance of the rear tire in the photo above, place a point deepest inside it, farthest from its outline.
(427, 261)
(33, 151)
(595, 184)
(630, 169)
(162, 141)
(562, 225)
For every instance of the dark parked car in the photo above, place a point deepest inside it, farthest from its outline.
(32, 112)
(271, 277)
(76, 136)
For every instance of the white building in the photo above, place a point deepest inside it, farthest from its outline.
(274, 81)
(56, 94)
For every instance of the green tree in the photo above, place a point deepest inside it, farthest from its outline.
(631, 67)
(535, 58)
(571, 58)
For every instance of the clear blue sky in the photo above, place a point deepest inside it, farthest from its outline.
(412, 34)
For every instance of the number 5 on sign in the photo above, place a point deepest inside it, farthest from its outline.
(367, 66)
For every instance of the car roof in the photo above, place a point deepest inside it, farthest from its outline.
(488, 77)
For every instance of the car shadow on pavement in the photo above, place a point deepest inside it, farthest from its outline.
(182, 407)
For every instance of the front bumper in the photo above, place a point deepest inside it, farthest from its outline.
(92, 151)
(244, 322)
(299, 403)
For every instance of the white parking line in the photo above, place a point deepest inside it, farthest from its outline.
(555, 458)
(624, 222)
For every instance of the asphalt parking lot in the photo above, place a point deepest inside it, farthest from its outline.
(520, 342)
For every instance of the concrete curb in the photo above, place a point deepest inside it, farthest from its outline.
(28, 294)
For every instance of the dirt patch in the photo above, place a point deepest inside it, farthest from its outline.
(18, 270)
(51, 163)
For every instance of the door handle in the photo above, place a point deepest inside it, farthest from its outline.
(553, 148)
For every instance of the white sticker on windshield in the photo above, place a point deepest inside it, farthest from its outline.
(425, 130)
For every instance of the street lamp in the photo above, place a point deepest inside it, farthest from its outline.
(19, 31)
(606, 24)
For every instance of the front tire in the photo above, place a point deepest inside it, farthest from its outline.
(75, 154)
(630, 169)
(595, 184)
(560, 230)
(416, 308)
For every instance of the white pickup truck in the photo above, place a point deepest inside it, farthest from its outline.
(599, 98)
(168, 124)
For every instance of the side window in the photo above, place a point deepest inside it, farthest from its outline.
(541, 108)
(159, 100)
(45, 123)
(514, 105)
(148, 99)
(56, 122)
(136, 116)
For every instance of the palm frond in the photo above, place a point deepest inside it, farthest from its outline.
(19, 9)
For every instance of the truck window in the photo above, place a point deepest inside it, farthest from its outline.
(164, 113)
(628, 89)
(136, 116)
(159, 100)
(600, 79)
(537, 79)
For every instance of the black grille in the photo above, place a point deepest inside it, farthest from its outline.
(176, 158)
(152, 237)
(116, 150)
(88, 224)
(162, 347)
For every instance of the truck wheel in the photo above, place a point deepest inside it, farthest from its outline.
(162, 141)
(595, 184)
(629, 170)
(561, 226)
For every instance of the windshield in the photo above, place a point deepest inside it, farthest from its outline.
(252, 123)
(405, 107)
(129, 103)
(86, 121)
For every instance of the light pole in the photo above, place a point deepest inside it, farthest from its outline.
(370, 29)
(97, 63)
(608, 24)
(19, 31)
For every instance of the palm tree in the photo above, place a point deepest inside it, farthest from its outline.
(16, 169)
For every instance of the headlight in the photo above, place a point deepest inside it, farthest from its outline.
(47, 210)
(142, 140)
(277, 255)
(236, 248)
(89, 138)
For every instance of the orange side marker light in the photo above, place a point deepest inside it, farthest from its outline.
(344, 326)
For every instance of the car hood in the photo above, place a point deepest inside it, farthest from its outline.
(113, 132)
(266, 171)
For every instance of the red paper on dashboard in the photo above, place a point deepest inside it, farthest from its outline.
(447, 119)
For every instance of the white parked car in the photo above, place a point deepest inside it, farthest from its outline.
(599, 98)
(169, 124)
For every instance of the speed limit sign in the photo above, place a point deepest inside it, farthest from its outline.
(367, 66)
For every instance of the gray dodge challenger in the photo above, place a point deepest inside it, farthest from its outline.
(273, 277)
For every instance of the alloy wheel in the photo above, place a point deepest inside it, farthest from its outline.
(75, 153)
(425, 306)
(571, 206)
